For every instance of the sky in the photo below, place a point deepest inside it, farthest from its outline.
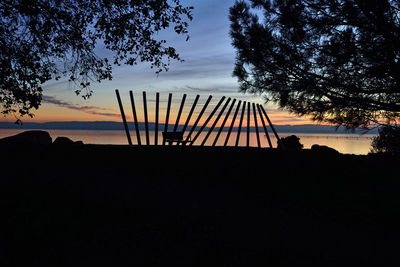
(207, 70)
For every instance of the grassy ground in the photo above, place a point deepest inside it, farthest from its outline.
(120, 206)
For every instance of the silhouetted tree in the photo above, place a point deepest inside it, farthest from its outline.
(336, 61)
(45, 39)
(290, 142)
(387, 141)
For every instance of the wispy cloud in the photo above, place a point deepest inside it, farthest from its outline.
(93, 110)
(210, 89)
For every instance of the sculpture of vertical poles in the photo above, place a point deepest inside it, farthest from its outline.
(121, 108)
(232, 123)
(258, 110)
(167, 115)
(135, 120)
(240, 123)
(223, 122)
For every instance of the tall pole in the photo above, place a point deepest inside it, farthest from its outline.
(198, 118)
(223, 122)
(232, 123)
(248, 125)
(208, 119)
(180, 112)
(121, 108)
(240, 123)
(167, 116)
(265, 127)
(156, 119)
(135, 119)
(146, 121)
(256, 125)
(190, 113)
(270, 124)
(216, 121)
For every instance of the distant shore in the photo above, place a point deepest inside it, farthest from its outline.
(111, 125)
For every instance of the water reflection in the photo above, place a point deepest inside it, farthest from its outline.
(344, 143)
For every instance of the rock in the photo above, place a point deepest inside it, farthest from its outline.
(27, 138)
(324, 149)
(291, 142)
(65, 141)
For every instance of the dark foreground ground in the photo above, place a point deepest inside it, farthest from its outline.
(120, 206)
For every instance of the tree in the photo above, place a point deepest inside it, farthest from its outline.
(42, 40)
(335, 61)
(387, 141)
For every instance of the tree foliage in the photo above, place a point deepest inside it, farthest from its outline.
(335, 61)
(42, 40)
(387, 141)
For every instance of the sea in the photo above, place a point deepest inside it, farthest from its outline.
(359, 144)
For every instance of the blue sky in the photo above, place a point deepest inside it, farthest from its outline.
(207, 69)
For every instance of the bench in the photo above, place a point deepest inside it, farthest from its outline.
(177, 137)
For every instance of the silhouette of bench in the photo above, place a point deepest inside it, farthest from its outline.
(177, 137)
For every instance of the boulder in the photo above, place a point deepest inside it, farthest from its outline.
(27, 138)
(324, 149)
(65, 141)
(291, 142)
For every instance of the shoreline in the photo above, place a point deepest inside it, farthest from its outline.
(344, 143)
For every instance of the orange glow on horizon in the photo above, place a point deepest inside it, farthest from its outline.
(55, 113)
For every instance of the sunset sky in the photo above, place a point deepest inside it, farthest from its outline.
(207, 70)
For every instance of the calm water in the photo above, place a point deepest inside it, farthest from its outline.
(344, 143)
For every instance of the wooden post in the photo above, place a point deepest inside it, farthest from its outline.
(167, 116)
(232, 123)
(240, 123)
(180, 112)
(256, 125)
(248, 125)
(156, 120)
(198, 118)
(216, 121)
(190, 113)
(208, 119)
(135, 120)
(270, 124)
(146, 121)
(121, 108)
(265, 127)
(223, 122)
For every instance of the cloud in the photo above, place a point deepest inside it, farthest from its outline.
(213, 89)
(209, 89)
(93, 110)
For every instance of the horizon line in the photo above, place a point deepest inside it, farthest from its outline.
(115, 125)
